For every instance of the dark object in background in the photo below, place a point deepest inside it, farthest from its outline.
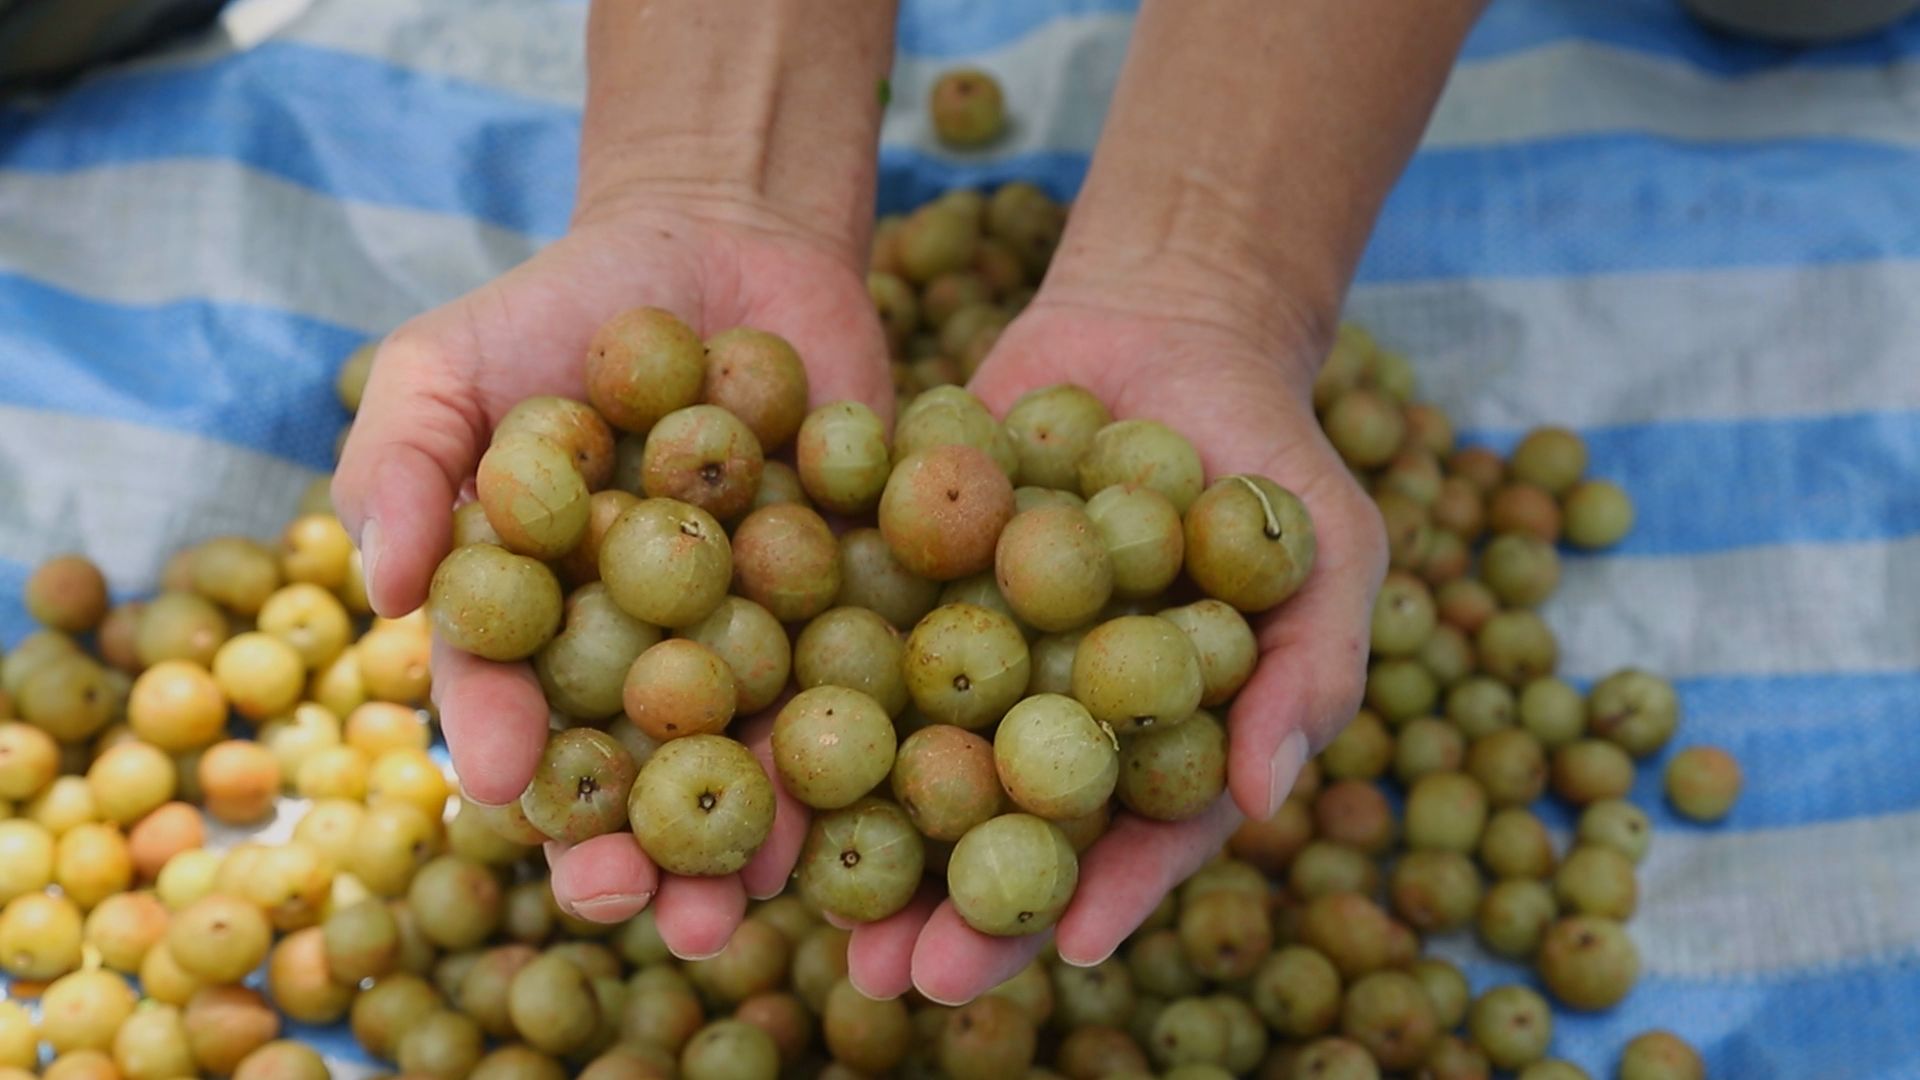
(46, 42)
(1802, 22)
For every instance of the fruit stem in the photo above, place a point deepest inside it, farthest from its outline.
(1272, 530)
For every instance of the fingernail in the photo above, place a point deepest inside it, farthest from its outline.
(611, 907)
(692, 957)
(1103, 958)
(868, 994)
(370, 553)
(937, 999)
(1285, 769)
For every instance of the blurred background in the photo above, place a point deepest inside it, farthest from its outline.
(1698, 250)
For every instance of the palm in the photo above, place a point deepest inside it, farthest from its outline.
(440, 384)
(1232, 399)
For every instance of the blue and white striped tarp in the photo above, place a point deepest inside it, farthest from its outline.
(1704, 254)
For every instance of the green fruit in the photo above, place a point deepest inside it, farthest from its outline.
(677, 688)
(705, 456)
(573, 426)
(1660, 1055)
(1348, 929)
(831, 745)
(1590, 770)
(533, 496)
(584, 666)
(1426, 745)
(1054, 760)
(362, 941)
(1480, 706)
(1445, 812)
(1322, 867)
(988, 1038)
(754, 647)
(1225, 934)
(1051, 657)
(1454, 1058)
(445, 1043)
(871, 578)
(701, 806)
(1250, 542)
(966, 108)
(1174, 773)
(465, 897)
(942, 511)
(785, 559)
(1598, 514)
(66, 593)
(863, 1034)
(1190, 1031)
(757, 377)
(1515, 844)
(1703, 782)
(235, 572)
(282, 1059)
(966, 665)
(486, 988)
(1145, 453)
(1022, 215)
(1616, 824)
(1052, 431)
(1521, 569)
(219, 938)
(1388, 1012)
(1012, 875)
(664, 1017)
(1297, 992)
(1101, 1051)
(1516, 647)
(1434, 891)
(1143, 536)
(1138, 672)
(1362, 751)
(945, 778)
(1403, 616)
(1550, 458)
(861, 863)
(1510, 767)
(853, 648)
(950, 416)
(754, 961)
(1552, 712)
(642, 365)
(1552, 1069)
(896, 303)
(842, 457)
(497, 605)
(552, 1006)
(1588, 962)
(580, 786)
(935, 240)
(1512, 1024)
(666, 563)
(1514, 916)
(1446, 987)
(1365, 427)
(1052, 566)
(513, 1062)
(1635, 710)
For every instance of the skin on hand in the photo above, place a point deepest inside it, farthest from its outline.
(1245, 402)
(442, 381)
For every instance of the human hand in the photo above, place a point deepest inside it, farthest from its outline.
(442, 381)
(1241, 390)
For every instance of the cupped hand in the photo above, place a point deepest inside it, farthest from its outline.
(1244, 399)
(442, 381)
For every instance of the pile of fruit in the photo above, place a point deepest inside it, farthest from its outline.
(980, 638)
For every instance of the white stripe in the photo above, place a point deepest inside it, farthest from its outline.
(1504, 353)
(129, 495)
(1768, 902)
(1626, 348)
(217, 230)
(1782, 610)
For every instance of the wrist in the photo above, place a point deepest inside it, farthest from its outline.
(761, 113)
(1265, 309)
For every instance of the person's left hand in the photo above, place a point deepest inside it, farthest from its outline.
(1243, 395)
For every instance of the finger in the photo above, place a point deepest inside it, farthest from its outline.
(696, 915)
(495, 719)
(1127, 872)
(605, 879)
(767, 872)
(880, 955)
(1313, 665)
(953, 963)
(416, 437)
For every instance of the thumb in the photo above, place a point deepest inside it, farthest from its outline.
(417, 436)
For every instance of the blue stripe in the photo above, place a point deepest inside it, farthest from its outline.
(361, 129)
(1662, 28)
(1821, 479)
(1812, 748)
(957, 28)
(1855, 1022)
(252, 376)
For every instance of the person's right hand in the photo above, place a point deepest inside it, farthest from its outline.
(442, 381)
